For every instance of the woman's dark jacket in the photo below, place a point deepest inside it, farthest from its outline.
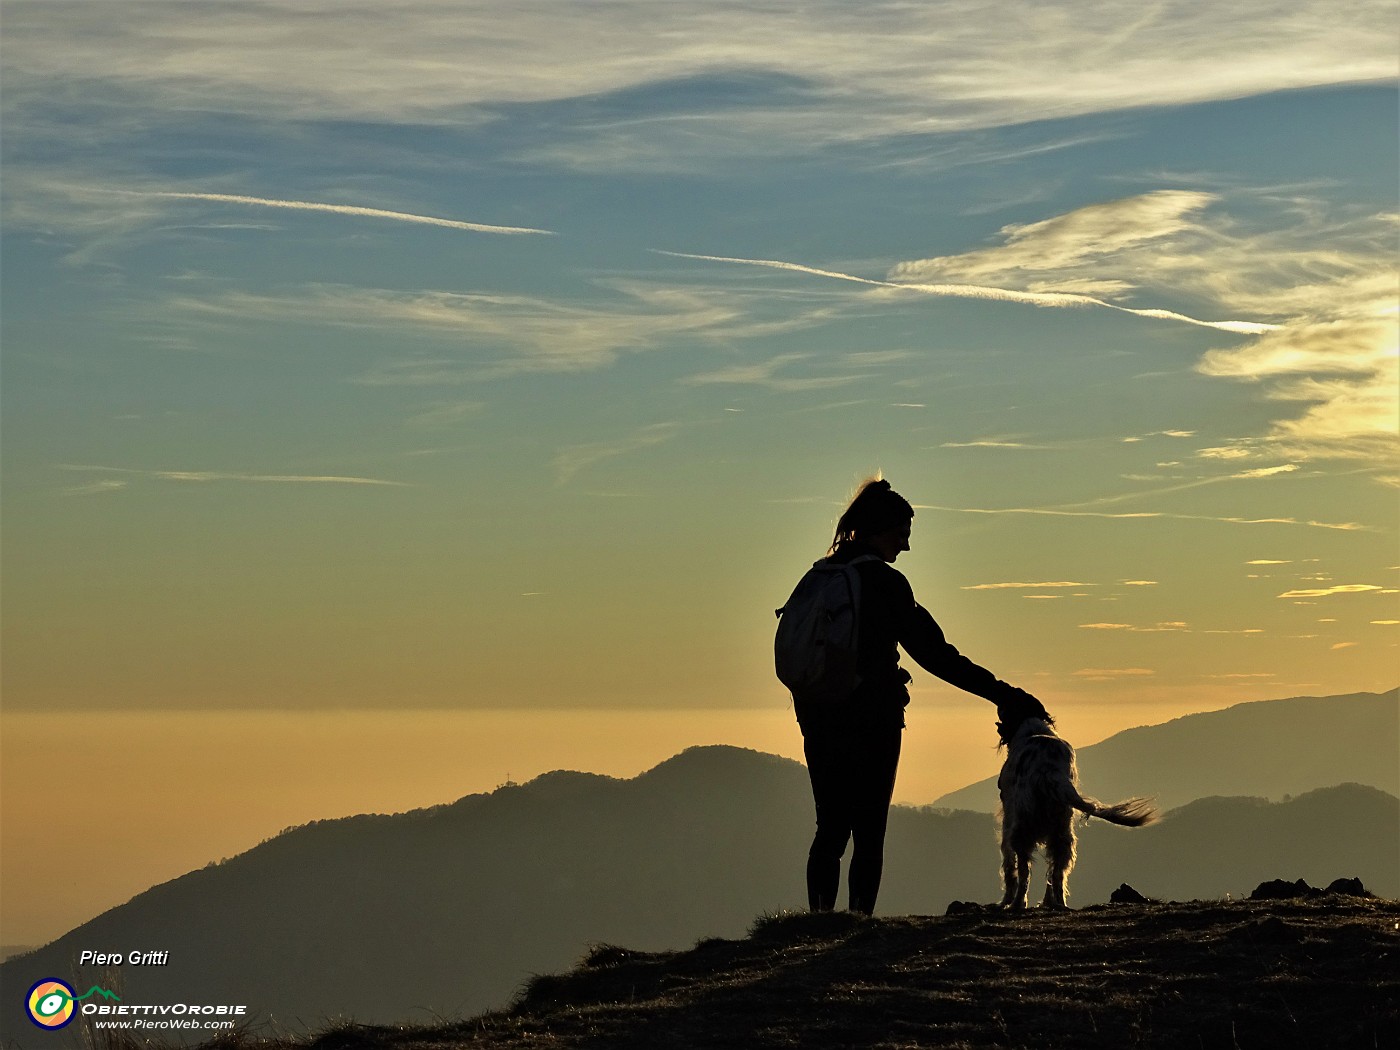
(890, 618)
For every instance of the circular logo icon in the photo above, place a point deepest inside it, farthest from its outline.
(50, 1003)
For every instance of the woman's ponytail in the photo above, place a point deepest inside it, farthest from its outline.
(876, 508)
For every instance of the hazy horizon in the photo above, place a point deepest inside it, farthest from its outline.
(256, 770)
(510, 362)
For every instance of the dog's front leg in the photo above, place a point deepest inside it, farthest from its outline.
(1023, 879)
(1008, 872)
(1016, 869)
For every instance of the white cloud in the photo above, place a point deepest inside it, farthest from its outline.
(1339, 356)
(1322, 592)
(1266, 472)
(1084, 236)
(1320, 298)
(1225, 452)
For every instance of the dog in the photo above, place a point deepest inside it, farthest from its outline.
(1039, 788)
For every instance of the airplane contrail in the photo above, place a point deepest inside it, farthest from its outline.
(978, 291)
(337, 209)
(223, 475)
(1344, 526)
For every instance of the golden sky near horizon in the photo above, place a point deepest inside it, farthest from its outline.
(490, 397)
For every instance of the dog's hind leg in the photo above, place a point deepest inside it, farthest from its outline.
(1059, 852)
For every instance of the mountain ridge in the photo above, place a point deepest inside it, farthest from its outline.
(445, 910)
(1293, 745)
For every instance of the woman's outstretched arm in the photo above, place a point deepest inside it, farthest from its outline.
(922, 638)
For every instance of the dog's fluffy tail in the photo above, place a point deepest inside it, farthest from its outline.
(1131, 813)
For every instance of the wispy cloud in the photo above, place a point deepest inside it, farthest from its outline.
(569, 461)
(221, 475)
(765, 374)
(1182, 486)
(1026, 586)
(1106, 674)
(444, 415)
(1344, 526)
(834, 74)
(1168, 627)
(1135, 438)
(97, 487)
(990, 443)
(509, 334)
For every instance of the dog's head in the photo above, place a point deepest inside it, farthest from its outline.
(1017, 708)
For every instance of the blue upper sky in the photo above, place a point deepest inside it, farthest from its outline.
(407, 346)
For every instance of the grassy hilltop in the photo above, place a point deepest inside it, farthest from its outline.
(1318, 972)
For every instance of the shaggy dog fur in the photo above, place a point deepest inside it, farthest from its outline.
(1039, 794)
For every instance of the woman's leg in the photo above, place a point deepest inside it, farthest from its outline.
(827, 765)
(876, 763)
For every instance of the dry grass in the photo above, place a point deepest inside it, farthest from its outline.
(1322, 972)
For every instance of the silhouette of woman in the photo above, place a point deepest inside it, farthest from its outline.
(852, 748)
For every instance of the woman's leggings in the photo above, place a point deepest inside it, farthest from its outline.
(852, 771)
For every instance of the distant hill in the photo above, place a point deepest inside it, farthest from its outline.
(444, 912)
(1272, 748)
(1287, 975)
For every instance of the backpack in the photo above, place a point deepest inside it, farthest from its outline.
(815, 647)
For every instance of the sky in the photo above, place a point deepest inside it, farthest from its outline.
(402, 399)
